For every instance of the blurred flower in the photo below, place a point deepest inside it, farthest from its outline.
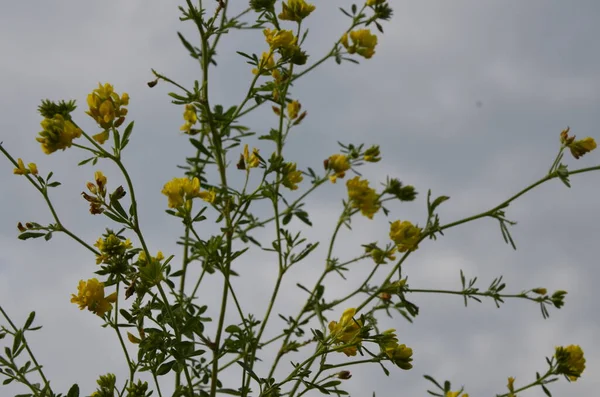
(405, 235)
(581, 147)
(570, 361)
(110, 247)
(296, 10)
(339, 164)
(363, 42)
(363, 197)
(266, 63)
(190, 117)
(280, 38)
(347, 331)
(293, 108)
(21, 170)
(180, 190)
(57, 134)
(372, 154)
(106, 107)
(91, 296)
(291, 177)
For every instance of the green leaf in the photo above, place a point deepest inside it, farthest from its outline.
(28, 235)
(73, 391)
(54, 184)
(165, 368)
(48, 236)
(188, 46)
(127, 133)
(29, 320)
(17, 342)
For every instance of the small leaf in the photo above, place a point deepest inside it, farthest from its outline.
(73, 391)
(165, 368)
(28, 235)
(29, 320)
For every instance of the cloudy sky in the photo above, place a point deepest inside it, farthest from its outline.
(465, 98)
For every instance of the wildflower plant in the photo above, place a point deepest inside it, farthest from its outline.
(150, 302)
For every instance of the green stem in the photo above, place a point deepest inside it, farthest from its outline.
(37, 365)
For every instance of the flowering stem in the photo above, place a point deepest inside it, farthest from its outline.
(44, 192)
(24, 341)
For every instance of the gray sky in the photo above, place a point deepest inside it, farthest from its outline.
(534, 68)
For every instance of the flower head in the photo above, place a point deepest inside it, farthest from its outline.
(57, 134)
(405, 235)
(339, 164)
(296, 10)
(363, 42)
(110, 247)
(280, 38)
(372, 154)
(190, 117)
(266, 64)
(571, 362)
(180, 191)
(363, 197)
(21, 170)
(582, 146)
(291, 177)
(91, 296)
(398, 354)
(293, 109)
(106, 106)
(347, 332)
(456, 394)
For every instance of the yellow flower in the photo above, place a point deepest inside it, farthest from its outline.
(363, 42)
(33, 168)
(375, 2)
(456, 394)
(363, 197)
(267, 62)
(296, 10)
(293, 108)
(101, 137)
(511, 386)
(21, 170)
(208, 196)
(106, 107)
(540, 291)
(57, 134)
(280, 38)
(339, 164)
(251, 160)
(291, 177)
(405, 235)
(347, 332)
(570, 361)
(111, 247)
(379, 256)
(581, 147)
(180, 190)
(398, 354)
(190, 117)
(91, 296)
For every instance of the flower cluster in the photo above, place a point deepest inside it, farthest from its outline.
(110, 247)
(106, 106)
(363, 43)
(456, 394)
(190, 117)
(296, 10)
(577, 148)
(291, 176)
(248, 160)
(347, 332)
(380, 256)
(21, 170)
(571, 362)
(181, 191)
(405, 235)
(57, 134)
(339, 164)
(363, 197)
(91, 296)
(401, 355)
(99, 193)
(372, 154)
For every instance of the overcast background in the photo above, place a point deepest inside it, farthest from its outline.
(465, 97)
